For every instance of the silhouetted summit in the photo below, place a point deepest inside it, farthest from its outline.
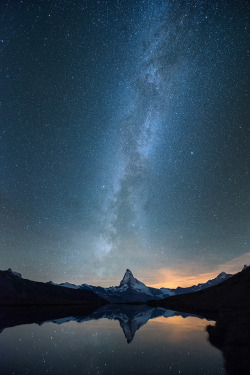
(14, 290)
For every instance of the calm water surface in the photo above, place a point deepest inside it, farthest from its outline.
(165, 345)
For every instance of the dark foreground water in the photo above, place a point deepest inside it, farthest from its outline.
(134, 340)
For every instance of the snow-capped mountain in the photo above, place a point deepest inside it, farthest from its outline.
(129, 290)
(195, 288)
(130, 280)
(132, 290)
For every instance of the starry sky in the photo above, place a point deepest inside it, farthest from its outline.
(123, 138)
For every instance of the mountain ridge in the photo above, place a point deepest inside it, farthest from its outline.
(15, 290)
(233, 293)
(130, 289)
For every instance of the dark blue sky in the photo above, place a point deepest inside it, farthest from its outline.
(123, 137)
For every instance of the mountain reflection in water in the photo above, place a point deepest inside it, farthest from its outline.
(130, 317)
(76, 341)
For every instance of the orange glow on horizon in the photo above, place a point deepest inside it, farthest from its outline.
(172, 278)
(183, 275)
(187, 275)
(178, 320)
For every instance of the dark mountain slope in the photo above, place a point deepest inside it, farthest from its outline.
(231, 334)
(14, 290)
(233, 293)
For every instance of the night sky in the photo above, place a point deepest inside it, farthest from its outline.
(123, 138)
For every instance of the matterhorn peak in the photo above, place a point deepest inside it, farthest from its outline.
(128, 278)
(128, 272)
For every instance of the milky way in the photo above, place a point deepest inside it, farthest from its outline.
(124, 136)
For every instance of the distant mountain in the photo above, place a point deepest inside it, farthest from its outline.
(195, 288)
(132, 290)
(233, 293)
(14, 290)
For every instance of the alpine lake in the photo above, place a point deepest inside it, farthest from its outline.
(113, 339)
